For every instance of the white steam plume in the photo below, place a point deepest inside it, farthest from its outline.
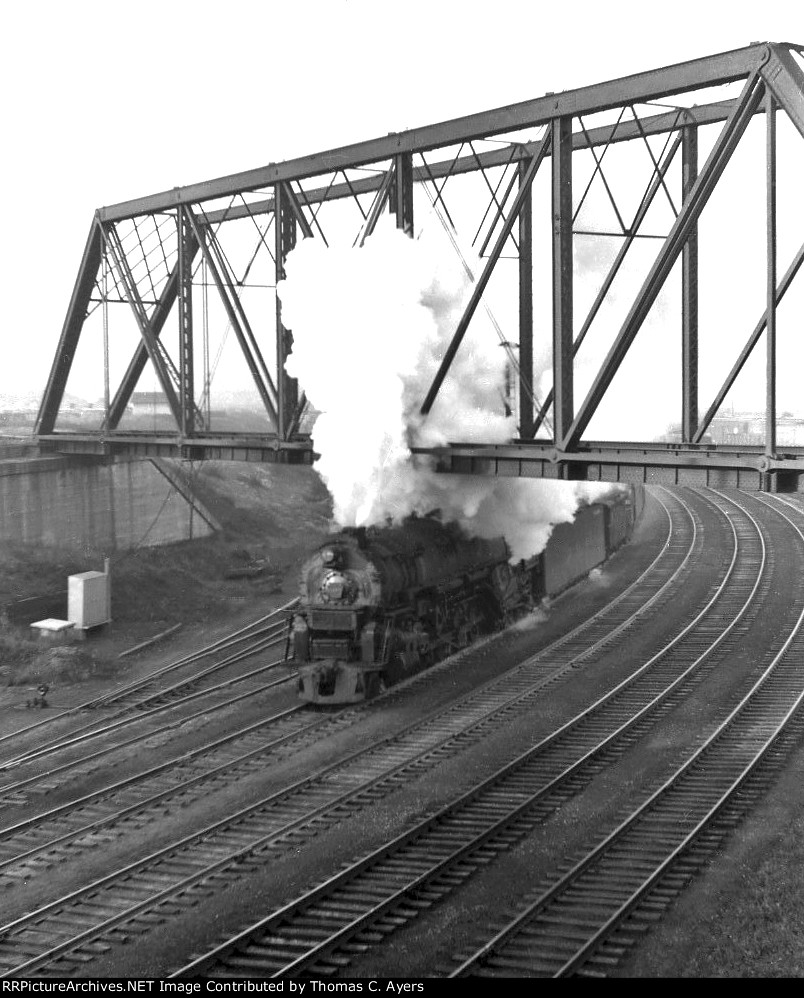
(370, 326)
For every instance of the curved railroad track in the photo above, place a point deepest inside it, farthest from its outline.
(358, 907)
(587, 919)
(148, 692)
(656, 582)
(33, 844)
(153, 707)
(363, 787)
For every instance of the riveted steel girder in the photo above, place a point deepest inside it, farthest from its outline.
(563, 406)
(169, 377)
(770, 324)
(680, 78)
(669, 253)
(525, 309)
(773, 84)
(745, 353)
(159, 316)
(785, 79)
(627, 131)
(401, 193)
(234, 310)
(71, 331)
(689, 293)
(482, 282)
(185, 300)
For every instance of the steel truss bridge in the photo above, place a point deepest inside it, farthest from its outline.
(154, 257)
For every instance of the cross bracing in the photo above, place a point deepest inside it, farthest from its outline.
(630, 164)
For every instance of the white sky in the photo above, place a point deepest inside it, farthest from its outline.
(104, 101)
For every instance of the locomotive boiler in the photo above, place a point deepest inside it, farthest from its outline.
(380, 603)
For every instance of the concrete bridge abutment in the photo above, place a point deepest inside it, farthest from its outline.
(57, 500)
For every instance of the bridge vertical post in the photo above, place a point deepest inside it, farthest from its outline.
(525, 308)
(689, 293)
(401, 195)
(287, 388)
(770, 326)
(563, 406)
(186, 250)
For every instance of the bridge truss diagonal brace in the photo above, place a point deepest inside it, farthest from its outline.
(483, 280)
(746, 351)
(159, 316)
(655, 185)
(736, 124)
(169, 377)
(657, 124)
(235, 313)
(71, 330)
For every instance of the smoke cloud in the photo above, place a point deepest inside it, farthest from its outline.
(370, 326)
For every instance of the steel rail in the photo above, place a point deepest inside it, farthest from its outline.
(664, 839)
(186, 660)
(407, 874)
(580, 629)
(132, 713)
(255, 628)
(237, 857)
(307, 723)
(149, 733)
(15, 788)
(508, 699)
(597, 619)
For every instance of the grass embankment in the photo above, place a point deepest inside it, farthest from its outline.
(269, 518)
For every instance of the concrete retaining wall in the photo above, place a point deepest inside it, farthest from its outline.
(52, 501)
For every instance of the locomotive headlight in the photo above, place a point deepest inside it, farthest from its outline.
(328, 556)
(337, 588)
(334, 586)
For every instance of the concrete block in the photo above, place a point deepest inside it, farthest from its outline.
(56, 632)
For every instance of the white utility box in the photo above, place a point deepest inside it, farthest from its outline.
(89, 599)
(55, 631)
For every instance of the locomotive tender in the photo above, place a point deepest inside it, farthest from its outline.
(380, 603)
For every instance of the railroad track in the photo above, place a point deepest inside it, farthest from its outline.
(148, 691)
(318, 932)
(37, 843)
(18, 937)
(643, 595)
(155, 705)
(586, 920)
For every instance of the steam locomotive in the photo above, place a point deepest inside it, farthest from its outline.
(380, 603)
